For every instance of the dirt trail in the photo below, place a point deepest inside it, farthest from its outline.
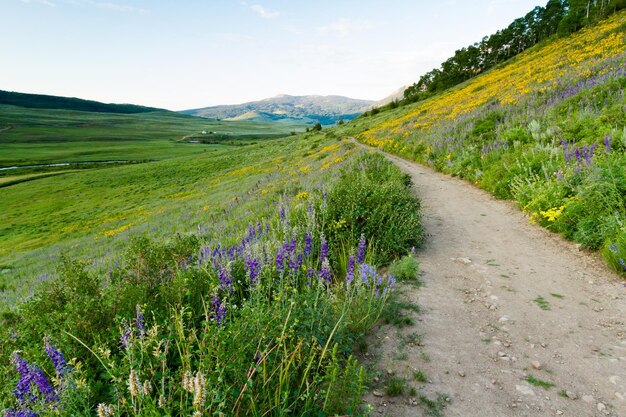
(487, 272)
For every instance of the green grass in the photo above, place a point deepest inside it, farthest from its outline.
(92, 212)
(38, 136)
(542, 303)
(539, 382)
(395, 387)
(420, 376)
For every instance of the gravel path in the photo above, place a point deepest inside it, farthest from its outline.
(503, 301)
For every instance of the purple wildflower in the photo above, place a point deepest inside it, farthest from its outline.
(29, 375)
(124, 339)
(622, 263)
(607, 143)
(280, 258)
(57, 359)
(366, 272)
(325, 273)
(226, 279)
(613, 248)
(308, 244)
(350, 270)
(140, 323)
(360, 254)
(295, 262)
(323, 248)
(282, 213)
(44, 385)
(218, 309)
(19, 413)
(253, 267)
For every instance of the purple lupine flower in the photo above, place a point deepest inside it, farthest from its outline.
(30, 374)
(578, 155)
(22, 388)
(140, 324)
(613, 248)
(566, 153)
(226, 279)
(350, 270)
(295, 262)
(607, 142)
(559, 175)
(622, 263)
(291, 246)
(360, 254)
(282, 213)
(19, 413)
(44, 385)
(365, 272)
(308, 244)
(280, 258)
(323, 248)
(325, 272)
(253, 267)
(57, 358)
(325, 196)
(218, 310)
(310, 209)
(124, 339)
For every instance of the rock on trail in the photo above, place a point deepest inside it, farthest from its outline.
(511, 305)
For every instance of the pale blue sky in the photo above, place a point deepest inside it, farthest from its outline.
(181, 54)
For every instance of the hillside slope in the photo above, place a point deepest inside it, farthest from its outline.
(294, 109)
(42, 101)
(547, 129)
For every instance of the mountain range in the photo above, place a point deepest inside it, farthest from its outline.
(284, 108)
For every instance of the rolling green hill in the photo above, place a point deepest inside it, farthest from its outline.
(31, 136)
(41, 101)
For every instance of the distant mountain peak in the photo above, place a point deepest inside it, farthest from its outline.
(307, 109)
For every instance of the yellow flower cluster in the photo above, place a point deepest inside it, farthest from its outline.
(532, 71)
(113, 232)
(553, 213)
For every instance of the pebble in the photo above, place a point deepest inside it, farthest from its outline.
(571, 395)
(503, 319)
(559, 412)
(536, 365)
(619, 396)
(614, 379)
(588, 399)
(377, 393)
(601, 407)
(501, 354)
(463, 261)
(525, 390)
(461, 374)
(390, 372)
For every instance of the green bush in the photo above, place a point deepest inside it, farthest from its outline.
(373, 198)
(406, 268)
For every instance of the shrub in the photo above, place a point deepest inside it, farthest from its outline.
(373, 198)
(406, 268)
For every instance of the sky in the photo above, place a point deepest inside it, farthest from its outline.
(183, 54)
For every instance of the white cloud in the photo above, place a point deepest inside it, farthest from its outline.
(345, 27)
(264, 12)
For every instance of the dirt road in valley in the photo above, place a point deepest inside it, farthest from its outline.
(503, 302)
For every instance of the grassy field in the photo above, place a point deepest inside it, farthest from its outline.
(223, 260)
(36, 136)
